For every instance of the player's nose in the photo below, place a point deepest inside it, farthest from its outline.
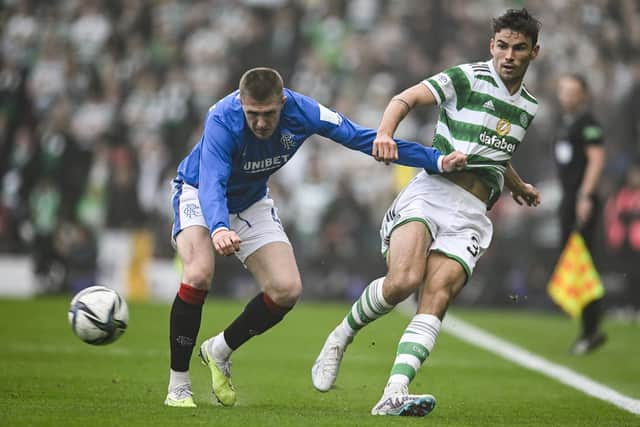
(261, 123)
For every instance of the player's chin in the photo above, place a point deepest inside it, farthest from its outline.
(265, 134)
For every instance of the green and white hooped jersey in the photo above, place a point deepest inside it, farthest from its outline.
(480, 118)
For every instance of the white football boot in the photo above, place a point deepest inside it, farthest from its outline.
(325, 369)
(397, 401)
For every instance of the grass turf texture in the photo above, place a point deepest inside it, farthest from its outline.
(49, 377)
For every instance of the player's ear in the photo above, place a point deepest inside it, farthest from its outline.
(284, 99)
(535, 51)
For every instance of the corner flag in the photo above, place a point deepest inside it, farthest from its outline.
(575, 281)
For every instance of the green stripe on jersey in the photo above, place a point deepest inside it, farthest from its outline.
(526, 95)
(437, 87)
(488, 79)
(443, 145)
(502, 110)
(469, 132)
(461, 83)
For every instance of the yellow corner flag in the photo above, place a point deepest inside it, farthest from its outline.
(575, 281)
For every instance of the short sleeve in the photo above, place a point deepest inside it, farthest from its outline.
(450, 86)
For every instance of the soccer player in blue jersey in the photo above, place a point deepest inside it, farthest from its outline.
(222, 207)
(437, 228)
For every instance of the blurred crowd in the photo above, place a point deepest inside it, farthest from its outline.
(101, 99)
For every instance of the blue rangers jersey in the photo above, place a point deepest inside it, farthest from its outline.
(230, 166)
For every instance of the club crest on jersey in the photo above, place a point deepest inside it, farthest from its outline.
(287, 141)
(443, 79)
(524, 120)
(503, 127)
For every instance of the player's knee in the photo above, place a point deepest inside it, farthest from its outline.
(440, 298)
(198, 275)
(285, 292)
(400, 284)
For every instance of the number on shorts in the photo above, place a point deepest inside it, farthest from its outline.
(474, 248)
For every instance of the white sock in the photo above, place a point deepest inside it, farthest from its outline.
(343, 332)
(219, 347)
(178, 378)
(414, 347)
(370, 306)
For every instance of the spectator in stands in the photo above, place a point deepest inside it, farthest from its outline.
(622, 225)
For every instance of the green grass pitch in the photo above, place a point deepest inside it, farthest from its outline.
(48, 377)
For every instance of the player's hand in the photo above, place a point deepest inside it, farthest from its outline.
(584, 209)
(454, 161)
(527, 194)
(226, 242)
(385, 149)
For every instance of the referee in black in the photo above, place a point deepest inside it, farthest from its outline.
(580, 157)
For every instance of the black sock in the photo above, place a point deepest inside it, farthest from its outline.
(183, 331)
(591, 315)
(259, 315)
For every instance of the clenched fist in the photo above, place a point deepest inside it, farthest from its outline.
(226, 242)
(454, 161)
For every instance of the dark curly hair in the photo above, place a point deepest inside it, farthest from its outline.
(519, 20)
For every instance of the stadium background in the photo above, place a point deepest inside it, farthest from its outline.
(100, 100)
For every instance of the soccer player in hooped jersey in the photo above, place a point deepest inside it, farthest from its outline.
(222, 207)
(437, 228)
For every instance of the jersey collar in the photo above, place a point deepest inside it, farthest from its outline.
(501, 85)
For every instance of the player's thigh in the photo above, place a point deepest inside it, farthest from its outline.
(196, 253)
(257, 226)
(407, 253)
(274, 268)
(444, 279)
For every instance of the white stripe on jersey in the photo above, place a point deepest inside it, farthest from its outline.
(326, 115)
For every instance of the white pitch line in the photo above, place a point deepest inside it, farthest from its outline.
(480, 338)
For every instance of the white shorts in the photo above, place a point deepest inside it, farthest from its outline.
(455, 218)
(257, 225)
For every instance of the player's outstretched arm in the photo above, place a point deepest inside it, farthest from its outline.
(521, 191)
(384, 147)
(340, 129)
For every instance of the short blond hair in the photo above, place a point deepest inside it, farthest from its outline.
(261, 84)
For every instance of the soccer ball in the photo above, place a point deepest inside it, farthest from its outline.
(98, 315)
